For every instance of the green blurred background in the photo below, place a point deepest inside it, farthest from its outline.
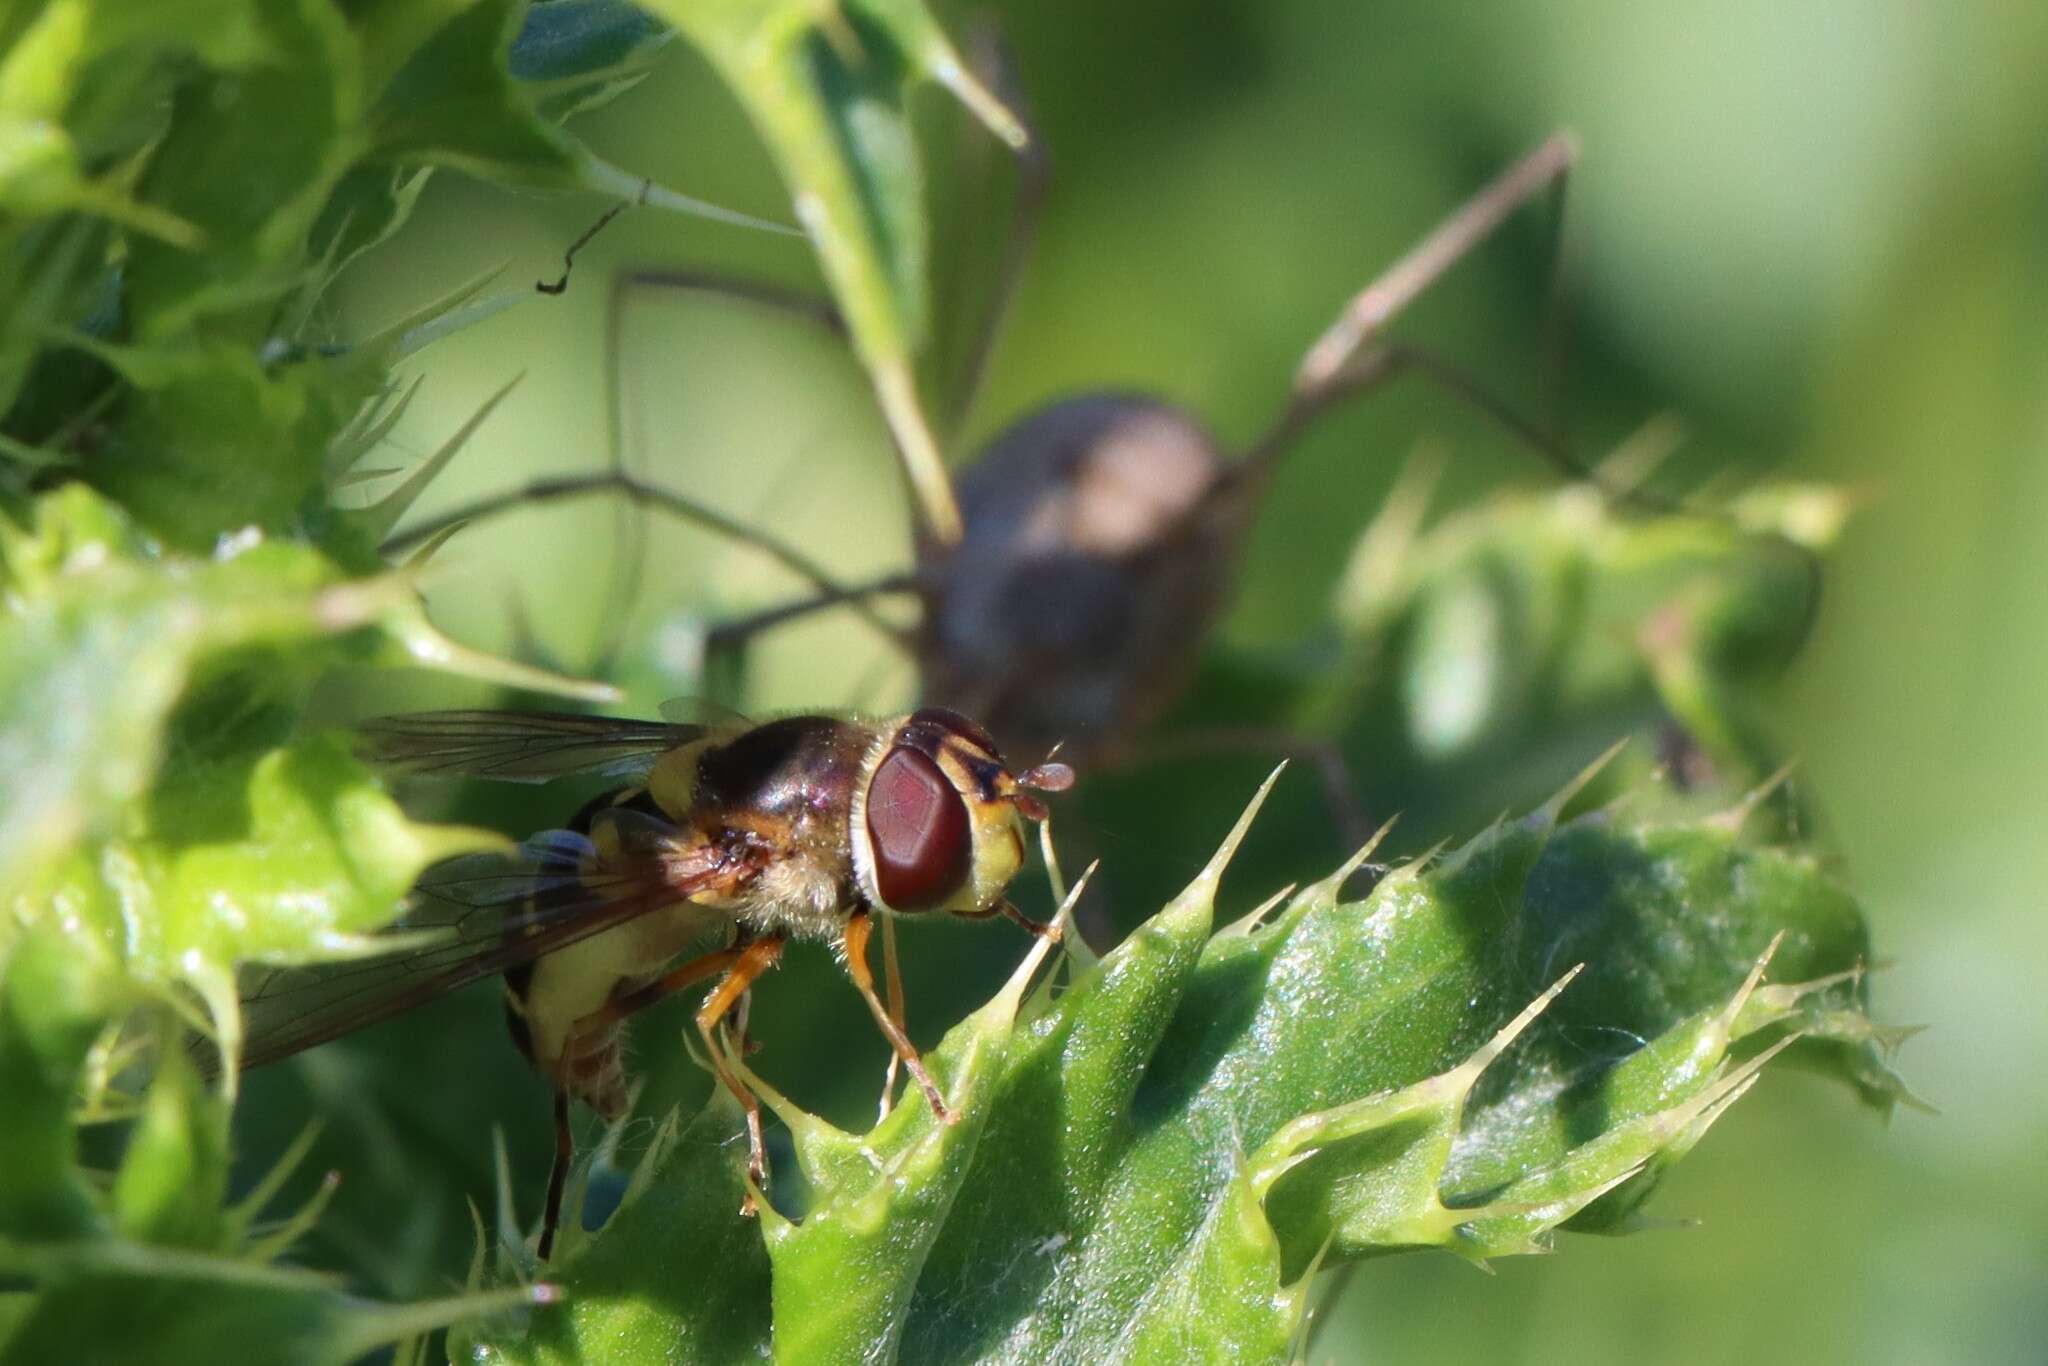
(1817, 232)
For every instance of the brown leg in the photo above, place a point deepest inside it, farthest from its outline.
(1373, 307)
(892, 976)
(737, 631)
(1386, 362)
(634, 491)
(1010, 913)
(558, 1175)
(1348, 358)
(755, 959)
(560, 284)
(858, 927)
(629, 559)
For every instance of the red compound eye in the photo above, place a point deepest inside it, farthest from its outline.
(917, 822)
(943, 719)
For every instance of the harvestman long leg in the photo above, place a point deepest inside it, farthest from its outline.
(637, 493)
(1350, 360)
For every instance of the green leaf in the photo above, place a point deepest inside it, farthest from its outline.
(173, 1178)
(226, 647)
(687, 1181)
(227, 442)
(828, 87)
(190, 1311)
(164, 825)
(1160, 1154)
(455, 103)
(54, 1000)
(1539, 621)
(250, 159)
(584, 52)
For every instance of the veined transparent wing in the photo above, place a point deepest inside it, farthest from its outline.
(519, 746)
(472, 918)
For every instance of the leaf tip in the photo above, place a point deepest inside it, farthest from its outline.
(1552, 811)
(1202, 891)
(949, 71)
(1737, 816)
(1330, 888)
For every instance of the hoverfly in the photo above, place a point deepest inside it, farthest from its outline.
(726, 843)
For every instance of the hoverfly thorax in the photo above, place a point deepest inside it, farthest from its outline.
(938, 817)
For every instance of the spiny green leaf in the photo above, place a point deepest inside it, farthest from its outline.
(229, 442)
(54, 1000)
(1150, 1164)
(455, 103)
(718, 1312)
(173, 1178)
(180, 1313)
(1541, 621)
(827, 85)
(250, 159)
(578, 54)
(190, 655)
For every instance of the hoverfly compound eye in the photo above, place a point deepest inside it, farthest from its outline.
(918, 826)
(953, 723)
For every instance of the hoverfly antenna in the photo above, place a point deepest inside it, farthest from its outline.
(1047, 777)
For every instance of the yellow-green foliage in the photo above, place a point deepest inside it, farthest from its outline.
(1157, 1151)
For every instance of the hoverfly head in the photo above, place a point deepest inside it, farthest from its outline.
(938, 824)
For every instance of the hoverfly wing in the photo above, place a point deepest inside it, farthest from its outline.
(468, 919)
(519, 746)
(704, 714)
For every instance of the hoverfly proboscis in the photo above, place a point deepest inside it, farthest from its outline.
(727, 842)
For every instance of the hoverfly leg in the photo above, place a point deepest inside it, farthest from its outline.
(892, 976)
(743, 1044)
(627, 1004)
(558, 1176)
(1042, 929)
(748, 964)
(859, 926)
